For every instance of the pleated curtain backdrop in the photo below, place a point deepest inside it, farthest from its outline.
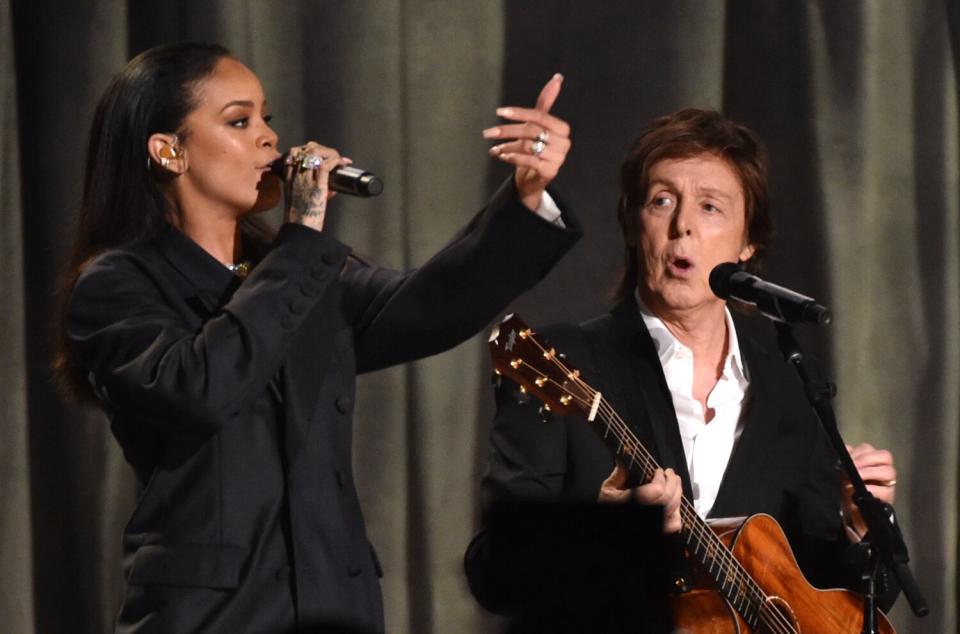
(857, 101)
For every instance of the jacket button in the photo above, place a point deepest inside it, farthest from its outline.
(296, 307)
(343, 404)
(308, 290)
(354, 570)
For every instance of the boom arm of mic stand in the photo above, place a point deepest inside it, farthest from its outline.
(885, 537)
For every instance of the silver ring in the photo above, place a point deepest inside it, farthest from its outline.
(538, 147)
(543, 137)
(310, 162)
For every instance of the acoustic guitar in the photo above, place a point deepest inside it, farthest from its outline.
(754, 583)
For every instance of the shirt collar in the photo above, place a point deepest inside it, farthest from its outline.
(668, 345)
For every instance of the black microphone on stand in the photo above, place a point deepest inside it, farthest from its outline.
(727, 280)
(346, 179)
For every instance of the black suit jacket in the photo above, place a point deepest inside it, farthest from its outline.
(782, 464)
(233, 401)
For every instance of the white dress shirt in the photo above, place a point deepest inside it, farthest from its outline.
(707, 446)
(549, 211)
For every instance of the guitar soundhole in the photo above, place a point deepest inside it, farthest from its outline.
(776, 617)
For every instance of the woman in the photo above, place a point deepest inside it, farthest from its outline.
(226, 360)
(719, 410)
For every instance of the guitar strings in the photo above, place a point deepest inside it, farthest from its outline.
(695, 525)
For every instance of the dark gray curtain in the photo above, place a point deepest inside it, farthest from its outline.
(857, 101)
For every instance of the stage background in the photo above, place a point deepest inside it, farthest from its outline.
(857, 101)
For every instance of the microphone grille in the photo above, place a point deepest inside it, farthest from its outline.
(720, 278)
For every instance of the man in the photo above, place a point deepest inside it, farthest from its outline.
(722, 413)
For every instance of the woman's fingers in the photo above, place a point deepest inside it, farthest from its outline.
(553, 125)
(527, 148)
(549, 93)
(529, 131)
(554, 149)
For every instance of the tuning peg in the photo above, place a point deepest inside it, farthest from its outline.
(521, 396)
(545, 414)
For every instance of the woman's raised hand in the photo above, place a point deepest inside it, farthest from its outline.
(537, 145)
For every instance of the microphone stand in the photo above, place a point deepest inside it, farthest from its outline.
(883, 542)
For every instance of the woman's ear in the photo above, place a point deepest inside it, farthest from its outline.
(165, 151)
(747, 252)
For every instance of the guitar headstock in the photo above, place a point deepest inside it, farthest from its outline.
(519, 354)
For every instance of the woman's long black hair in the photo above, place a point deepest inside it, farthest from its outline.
(123, 199)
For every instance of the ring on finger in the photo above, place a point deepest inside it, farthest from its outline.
(538, 147)
(310, 162)
(543, 137)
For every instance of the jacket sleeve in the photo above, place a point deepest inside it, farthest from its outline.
(144, 356)
(502, 252)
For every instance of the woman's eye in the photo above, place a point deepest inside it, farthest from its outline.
(240, 123)
(268, 118)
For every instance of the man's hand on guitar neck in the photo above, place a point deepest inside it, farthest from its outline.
(664, 489)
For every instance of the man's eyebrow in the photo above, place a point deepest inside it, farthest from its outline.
(716, 193)
(704, 190)
(662, 181)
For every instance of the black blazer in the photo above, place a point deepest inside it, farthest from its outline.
(782, 464)
(233, 402)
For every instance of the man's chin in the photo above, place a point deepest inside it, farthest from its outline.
(682, 297)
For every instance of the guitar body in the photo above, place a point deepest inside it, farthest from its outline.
(762, 549)
(705, 611)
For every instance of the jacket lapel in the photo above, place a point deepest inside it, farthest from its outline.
(759, 427)
(648, 399)
(210, 284)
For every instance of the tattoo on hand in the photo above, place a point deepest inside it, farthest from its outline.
(313, 200)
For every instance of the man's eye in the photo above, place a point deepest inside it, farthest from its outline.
(240, 123)
(710, 207)
(661, 201)
(268, 118)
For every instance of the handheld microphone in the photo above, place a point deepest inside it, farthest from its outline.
(346, 180)
(776, 302)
